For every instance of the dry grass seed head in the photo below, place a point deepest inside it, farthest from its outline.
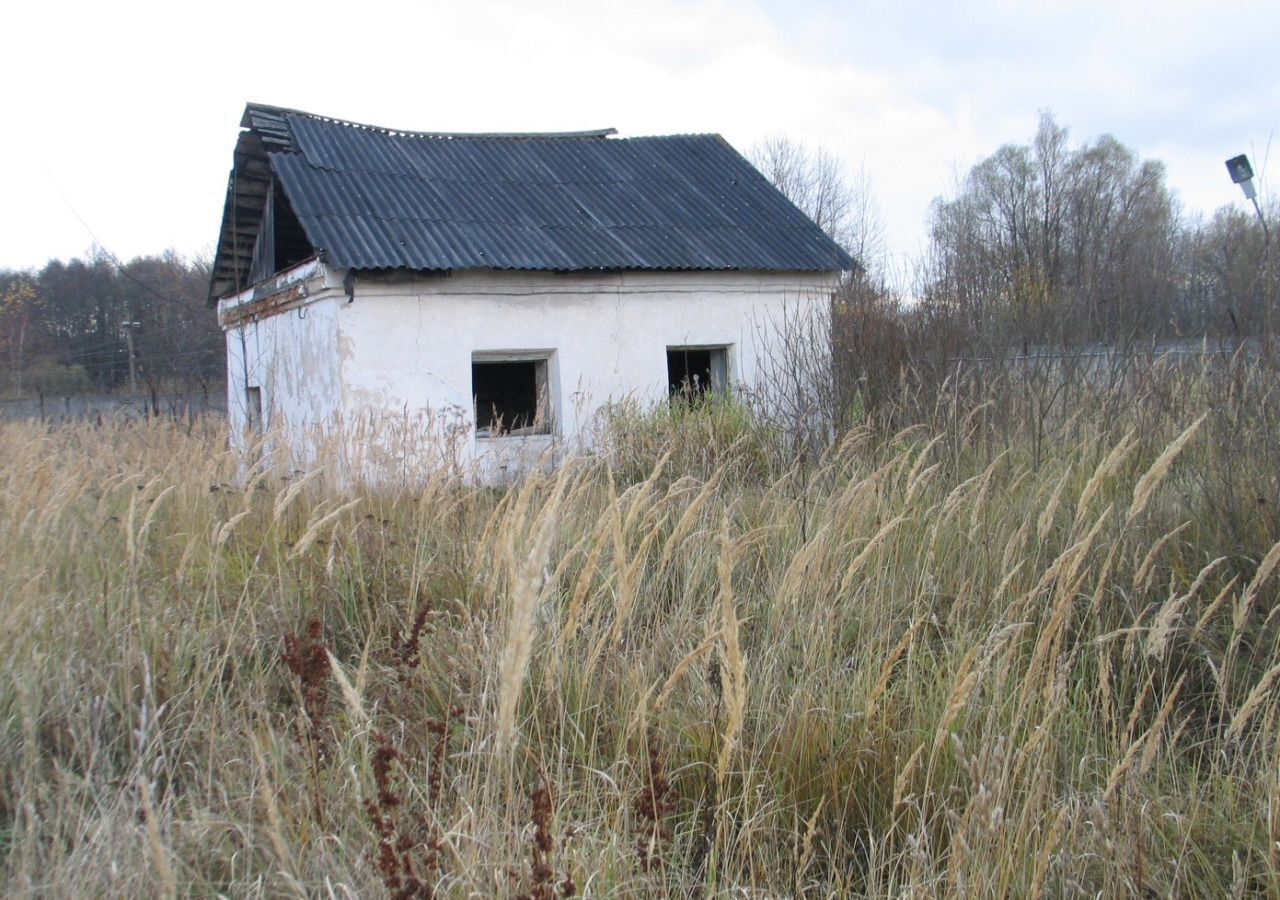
(1146, 569)
(1110, 464)
(734, 676)
(1260, 694)
(525, 596)
(1050, 511)
(1166, 620)
(1250, 598)
(317, 526)
(1147, 484)
(287, 496)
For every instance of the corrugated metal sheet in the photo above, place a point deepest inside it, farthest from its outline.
(371, 198)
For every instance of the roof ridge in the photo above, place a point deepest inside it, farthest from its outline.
(280, 112)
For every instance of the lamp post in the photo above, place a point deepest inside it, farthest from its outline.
(1242, 174)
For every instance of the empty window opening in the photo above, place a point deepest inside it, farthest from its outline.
(253, 409)
(510, 396)
(693, 371)
(281, 242)
(291, 243)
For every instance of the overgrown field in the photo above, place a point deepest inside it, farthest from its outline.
(1001, 651)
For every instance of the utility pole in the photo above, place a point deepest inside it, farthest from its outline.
(128, 328)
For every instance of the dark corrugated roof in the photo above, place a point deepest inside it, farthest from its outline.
(373, 198)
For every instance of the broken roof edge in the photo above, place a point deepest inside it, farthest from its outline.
(407, 272)
(286, 279)
(279, 112)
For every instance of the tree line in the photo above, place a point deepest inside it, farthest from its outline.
(96, 324)
(1046, 242)
(1045, 249)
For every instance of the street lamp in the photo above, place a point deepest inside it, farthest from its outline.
(1242, 174)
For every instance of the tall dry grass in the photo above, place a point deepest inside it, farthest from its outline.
(940, 661)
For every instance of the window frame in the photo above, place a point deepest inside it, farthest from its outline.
(719, 367)
(544, 422)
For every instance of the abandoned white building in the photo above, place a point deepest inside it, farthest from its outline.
(480, 298)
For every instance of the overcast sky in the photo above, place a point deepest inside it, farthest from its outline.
(120, 118)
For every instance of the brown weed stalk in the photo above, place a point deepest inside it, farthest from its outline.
(653, 804)
(542, 883)
(410, 848)
(439, 750)
(408, 649)
(307, 658)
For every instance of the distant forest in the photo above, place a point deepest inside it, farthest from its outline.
(97, 324)
(1045, 254)
(1042, 247)
(1049, 243)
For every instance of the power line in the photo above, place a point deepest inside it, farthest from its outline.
(111, 257)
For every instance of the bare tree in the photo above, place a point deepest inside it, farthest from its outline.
(816, 182)
(18, 301)
(1231, 278)
(862, 336)
(179, 346)
(1045, 244)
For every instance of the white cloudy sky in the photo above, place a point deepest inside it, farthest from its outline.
(119, 118)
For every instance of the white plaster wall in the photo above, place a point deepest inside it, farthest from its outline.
(406, 347)
(291, 356)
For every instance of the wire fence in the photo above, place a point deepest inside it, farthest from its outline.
(116, 405)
